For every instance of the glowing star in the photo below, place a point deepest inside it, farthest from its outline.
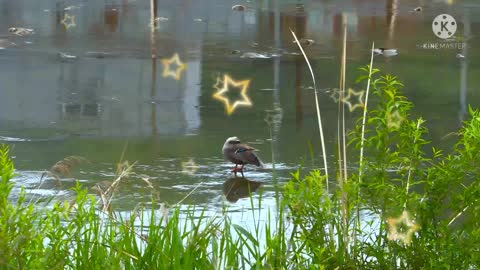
(176, 74)
(69, 21)
(394, 120)
(219, 95)
(189, 167)
(402, 228)
(352, 106)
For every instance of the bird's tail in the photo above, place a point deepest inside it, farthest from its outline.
(260, 163)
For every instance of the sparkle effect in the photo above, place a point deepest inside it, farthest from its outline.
(394, 120)
(353, 105)
(168, 72)
(189, 167)
(219, 95)
(68, 21)
(402, 228)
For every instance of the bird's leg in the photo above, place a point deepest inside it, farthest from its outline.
(241, 169)
(235, 170)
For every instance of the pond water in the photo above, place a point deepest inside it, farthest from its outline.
(95, 78)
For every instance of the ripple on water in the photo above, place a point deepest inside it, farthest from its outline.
(12, 139)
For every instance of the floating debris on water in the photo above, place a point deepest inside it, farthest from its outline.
(255, 55)
(12, 139)
(64, 56)
(305, 41)
(161, 19)
(99, 54)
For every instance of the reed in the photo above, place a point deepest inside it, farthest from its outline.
(317, 107)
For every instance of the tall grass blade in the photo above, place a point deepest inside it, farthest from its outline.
(365, 109)
(344, 74)
(317, 106)
(342, 141)
(362, 141)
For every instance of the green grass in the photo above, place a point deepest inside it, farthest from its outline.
(419, 206)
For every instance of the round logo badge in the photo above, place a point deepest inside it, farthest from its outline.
(444, 26)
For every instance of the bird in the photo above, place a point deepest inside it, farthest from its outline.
(240, 154)
(20, 31)
(238, 8)
(417, 9)
(385, 52)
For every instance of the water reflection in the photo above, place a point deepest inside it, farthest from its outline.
(463, 112)
(239, 187)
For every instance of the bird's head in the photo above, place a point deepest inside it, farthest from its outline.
(232, 140)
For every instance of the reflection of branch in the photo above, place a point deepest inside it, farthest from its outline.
(464, 69)
(392, 6)
(153, 23)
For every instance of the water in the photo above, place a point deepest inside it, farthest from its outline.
(93, 88)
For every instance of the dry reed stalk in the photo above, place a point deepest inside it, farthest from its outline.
(317, 106)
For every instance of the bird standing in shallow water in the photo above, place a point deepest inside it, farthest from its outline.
(240, 154)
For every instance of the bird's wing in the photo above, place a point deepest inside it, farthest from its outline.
(245, 153)
(239, 148)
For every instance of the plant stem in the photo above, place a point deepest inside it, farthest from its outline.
(317, 106)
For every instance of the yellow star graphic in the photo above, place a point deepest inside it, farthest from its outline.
(189, 167)
(176, 74)
(69, 21)
(394, 120)
(402, 228)
(352, 93)
(219, 95)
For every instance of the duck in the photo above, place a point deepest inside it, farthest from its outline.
(239, 8)
(417, 9)
(240, 154)
(20, 31)
(385, 52)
